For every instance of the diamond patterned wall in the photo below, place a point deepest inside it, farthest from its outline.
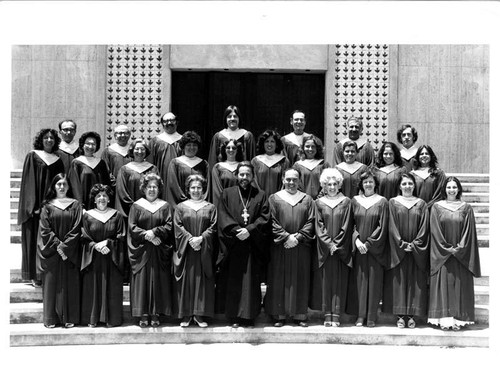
(133, 91)
(362, 89)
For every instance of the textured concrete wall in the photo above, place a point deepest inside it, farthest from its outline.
(50, 83)
(443, 90)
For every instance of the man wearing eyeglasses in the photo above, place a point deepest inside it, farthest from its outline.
(68, 148)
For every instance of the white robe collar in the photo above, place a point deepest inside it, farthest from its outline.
(332, 202)
(423, 172)
(270, 160)
(350, 168)
(169, 138)
(388, 169)
(195, 205)
(229, 166)
(408, 153)
(295, 139)
(69, 148)
(310, 164)
(453, 206)
(150, 206)
(292, 199)
(189, 161)
(139, 167)
(48, 158)
(368, 202)
(62, 203)
(359, 142)
(103, 217)
(119, 149)
(92, 162)
(233, 134)
(407, 203)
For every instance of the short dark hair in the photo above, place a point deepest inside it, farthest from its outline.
(245, 163)
(229, 110)
(448, 180)
(85, 136)
(320, 154)
(149, 178)
(67, 120)
(38, 141)
(409, 176)
(130, 152)
(50, 194)
(239, 150)
(99, 188)
(365, 175)
(189, 137)
(195, 178)
(397, 154)
(264, 136)
(400, 132)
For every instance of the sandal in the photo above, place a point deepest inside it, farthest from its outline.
(400, 322)
(411, 322)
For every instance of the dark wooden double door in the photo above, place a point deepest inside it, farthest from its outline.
(265, 100)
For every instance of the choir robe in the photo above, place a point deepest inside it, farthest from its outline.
(288, 275)
(454, 262)
(102, 275)
(36, 178)
(429, 188)
(269, 178)
(351, 176)
(151, 281)
(115, 158)
(178, 172)
(333, 226)
(366, 154)
(68, 152)
(163, 150)
(309, 176)
(366, 277)
(222, 177)
(405, 281)
(408, 157)
(128, 184)
(61, 278)
(82, 177)
(388, 180)
(291, 146)
(241, 135)
(238, 282)
(193, 270)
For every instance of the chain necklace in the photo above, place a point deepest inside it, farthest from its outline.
(245, 214)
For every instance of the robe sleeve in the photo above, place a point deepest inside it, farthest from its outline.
(438, 184)
(27, 195)
(421, 242)
(279, 233)
(182, 237)
(71, 242)
(123, 197)
(249, 145)
(206, 172)
(47, 239)
(207, 245)
(467, 251)
(226, 226)
(216, 184)
(74, 179)
(88, 244)
(323, 241)
(306, 233)
(213, 154)
(175, 190)
(343, 240)
(164, 230)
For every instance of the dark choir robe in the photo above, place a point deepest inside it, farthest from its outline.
(102, 275)
(333, 226)
(85, 173)
(405, 281)
(388, 178)
(178, 171)
(67, 152)
(408, 157)
(238, 281)
(115, 157)
(164, 148)
(128, 184)
(371, 218)
(291, 146)
(194, 270)
(38, 171)
(310, 171)
(288, 273)
(240, 135)
(454, 262)
(351, 174)
(223, 176)
(428, 186)
(269, 172)
(366, 154)
(60, 226)
(151, 282)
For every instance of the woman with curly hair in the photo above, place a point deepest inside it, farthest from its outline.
(270, 163)
(86, 170)
(40, 166)
(388, 168)
(224, 172)
(429, 177)
(183, 166)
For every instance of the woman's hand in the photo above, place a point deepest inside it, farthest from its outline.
(291, 242)
(409, 248)
(102, 248)
(61, 253)
(333, 249)
(361, 247)
(195, 242)
(149, 235)
(156, 241)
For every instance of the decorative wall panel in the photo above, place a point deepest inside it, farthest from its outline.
(134, 89)
(361, 88)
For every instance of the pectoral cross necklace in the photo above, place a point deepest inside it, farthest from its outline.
(245, 214)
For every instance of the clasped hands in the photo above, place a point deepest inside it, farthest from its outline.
(361, 246)
(151, 237)
(102, 247)
(242, 233)
(195, 242)
(291, 241)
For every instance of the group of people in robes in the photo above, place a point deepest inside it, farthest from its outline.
(199, 237)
